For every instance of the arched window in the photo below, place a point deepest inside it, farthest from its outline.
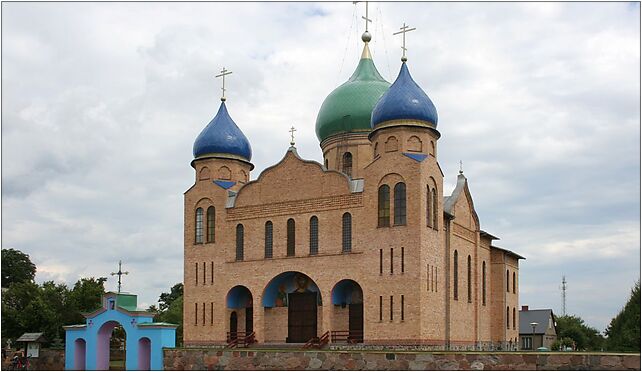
(347, 164)
(314, 235)
(400, 203)
(239, 242)
(507, 281)
(199, 225)
(455, 276)
(291, 236)
(211, 218)
(384, 206)
(470, 297)
(268, 239)
(484, 283)
(513, 318)
(428, 207)
(347, 233)
(507, 317)
(435, 224)
(514, 282)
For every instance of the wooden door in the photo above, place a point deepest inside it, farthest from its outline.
(233, 325)
(355, 322)
(302, 316)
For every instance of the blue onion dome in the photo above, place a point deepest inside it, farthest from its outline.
(222, 138)
(405, 100)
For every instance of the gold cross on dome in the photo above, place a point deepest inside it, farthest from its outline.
(403, 31)
(292, 130)
(366, 17)
(461, 167)
(222, 74)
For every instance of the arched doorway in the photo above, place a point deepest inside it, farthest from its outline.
(291, 301)
(111, 351)
(240, 306)
(80, 354)
(347, 300)
(144, 354)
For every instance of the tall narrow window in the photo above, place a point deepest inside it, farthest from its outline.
(435, 224)
(211, 313)
(203, 313)
(470, 297)
(291, 229)
(212, 272)
(455, 277)
(195, 313)
(211, 219)
(428, 207)
(381, 261)
(507, 281)
(268, 239)
(484, 283)
(392, 266)
(384, 206)
(199, 225)
(436, 280)
(347, 164)
(513, 318)
(196, 273)
(347, 233)
(403, 259)
(239, 242)
(514, 282)
(314, 235)
(391, 308)
(204, 274)
(402, 307)
(380, 308)
(428, 276)
(400, 203)
(507, 317)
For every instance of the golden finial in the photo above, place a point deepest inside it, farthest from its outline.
(403, 31)
(222, 74)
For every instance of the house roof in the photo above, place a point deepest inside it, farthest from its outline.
(509, 252)
(541, 317)
(31, 337)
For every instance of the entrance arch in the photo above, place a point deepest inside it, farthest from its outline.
(103, 350)
(347, 298)
(291, 303)
(240, 305)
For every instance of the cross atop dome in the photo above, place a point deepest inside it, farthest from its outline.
(222, 75)
(365, 37)
(403, 31)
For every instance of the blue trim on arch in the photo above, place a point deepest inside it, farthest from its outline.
(346, 292)
(285, 283)
(239, 297)
(417, 157)
(224, 184)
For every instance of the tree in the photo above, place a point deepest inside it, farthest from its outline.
(16, 267)
(166, 299)
(170, 309)
(585, 337)
(624, 330)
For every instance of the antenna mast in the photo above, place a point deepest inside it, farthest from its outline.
(563, 295)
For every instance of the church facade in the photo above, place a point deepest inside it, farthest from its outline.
(367, 247)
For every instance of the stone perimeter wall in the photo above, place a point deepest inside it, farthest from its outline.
(213, 359)
(48, 360)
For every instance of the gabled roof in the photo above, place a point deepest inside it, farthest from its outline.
(32, 337)
(541, 317)
(519, 257)
(451, 201)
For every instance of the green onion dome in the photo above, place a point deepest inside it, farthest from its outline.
(349, 107)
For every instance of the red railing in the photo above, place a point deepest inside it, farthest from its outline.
(234, 339)
(318, 342)
(350, 337)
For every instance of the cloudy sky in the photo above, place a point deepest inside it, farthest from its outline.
(101, 103)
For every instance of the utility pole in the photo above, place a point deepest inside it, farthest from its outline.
(563, 295)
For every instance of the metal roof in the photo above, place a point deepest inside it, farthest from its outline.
(508, 251)
(32, 337)
(526, 317)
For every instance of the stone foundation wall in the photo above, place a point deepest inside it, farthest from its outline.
(213, 359)
(48, 360)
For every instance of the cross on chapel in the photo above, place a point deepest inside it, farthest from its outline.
(222, 74)
(120, 273)
(403, 31)
(292, 130)
(366, 17)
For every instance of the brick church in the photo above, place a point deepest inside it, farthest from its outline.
(365, 248)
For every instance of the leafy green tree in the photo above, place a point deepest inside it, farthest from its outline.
(624, 330)
(16, 267)
(15, 302)
(166, 299)
(585, 337)
(85, 297)
(170, 309)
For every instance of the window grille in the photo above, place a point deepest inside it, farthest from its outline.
(268, 239)
(211, 219)
(314, 235)
(239, 242)
(199, 225)
(290, 238)
(347, 233)
(384, 206)
(400, 203)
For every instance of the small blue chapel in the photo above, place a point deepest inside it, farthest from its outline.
(87, 345)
